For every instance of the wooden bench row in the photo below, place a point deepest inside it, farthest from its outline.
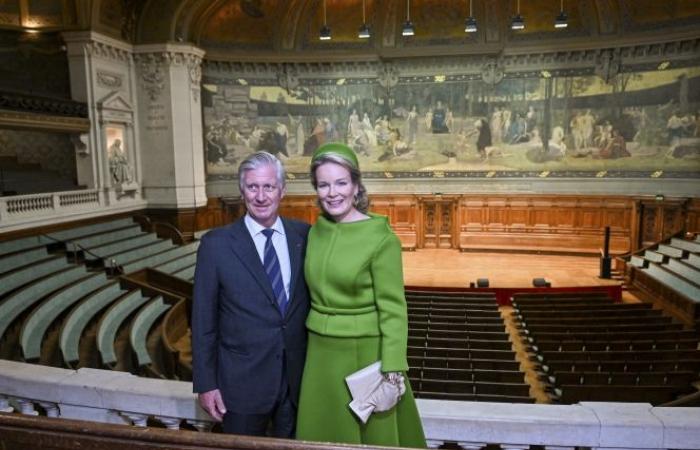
(613, 345)
(467, 344)
(681, 378)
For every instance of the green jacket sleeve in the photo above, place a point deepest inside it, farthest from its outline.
(387, 279)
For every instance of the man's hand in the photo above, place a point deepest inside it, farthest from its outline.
(213, 404)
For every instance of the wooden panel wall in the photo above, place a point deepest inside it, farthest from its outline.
(522, 222)
(544, 223)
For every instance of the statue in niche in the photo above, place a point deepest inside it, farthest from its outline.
(119, 164)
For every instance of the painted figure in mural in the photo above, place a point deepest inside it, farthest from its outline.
(329, 129)
(358, 316)
(483, 140)
(557, 147)
(317, 138)
(119, 164)
(506, 116)
(438, 123)
(449, 120)
(281, 136)
(616, 147)
(381, 130)
(576, 126)
(215, 148)
(353, 126)
(412, 125)
(497, 125)
(604, 135)
(587, 123)
(300, 136)
(518, 130)
(428, 119)
(674, 126)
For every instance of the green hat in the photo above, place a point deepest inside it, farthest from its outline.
(338, 149)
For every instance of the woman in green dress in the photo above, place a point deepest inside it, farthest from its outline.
(358, 310)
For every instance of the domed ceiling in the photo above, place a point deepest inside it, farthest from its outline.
(270, 29)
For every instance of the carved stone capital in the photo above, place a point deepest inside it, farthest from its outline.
(103, 50)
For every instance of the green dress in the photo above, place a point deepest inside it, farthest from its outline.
(358, 316)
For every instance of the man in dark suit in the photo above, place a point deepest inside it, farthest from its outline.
(250, 305)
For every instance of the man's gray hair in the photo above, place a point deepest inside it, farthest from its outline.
(260, 159)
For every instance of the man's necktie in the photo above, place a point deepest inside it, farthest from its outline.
(274, 273)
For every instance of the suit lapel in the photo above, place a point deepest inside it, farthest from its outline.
(295, 245)
(244, 248)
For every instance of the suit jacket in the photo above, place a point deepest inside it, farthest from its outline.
(241, 343)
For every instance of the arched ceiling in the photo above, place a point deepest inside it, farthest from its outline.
(273, 29)
(236, 28)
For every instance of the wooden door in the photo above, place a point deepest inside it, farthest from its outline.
(438, 223)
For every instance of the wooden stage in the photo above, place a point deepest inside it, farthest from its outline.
(452, 268)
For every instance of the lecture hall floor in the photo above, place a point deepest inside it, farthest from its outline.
(452, 268)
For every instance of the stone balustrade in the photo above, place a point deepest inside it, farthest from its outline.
(119, 397)
(21, 211)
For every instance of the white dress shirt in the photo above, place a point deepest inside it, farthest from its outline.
(279, 241)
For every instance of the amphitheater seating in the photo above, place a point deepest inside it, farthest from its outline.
(186, 274)
(458, 349)
(79, 318)
(22, 299)
(13, 260)
(141, 325)
(38, 322)
(21, 275)
(601, 351)
(112, 320)
(686, 287)
(99, 239)
(87, 230)
(155, 259)
(49, 305)
(110, 249)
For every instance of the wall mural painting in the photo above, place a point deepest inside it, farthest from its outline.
(509, 126)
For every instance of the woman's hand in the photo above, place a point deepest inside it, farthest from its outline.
(397, 379)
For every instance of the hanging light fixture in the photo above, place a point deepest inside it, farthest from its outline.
(518, 22)
(470, 23)
(325, 33)
(364, 32)
(408, 29)
(562, 20)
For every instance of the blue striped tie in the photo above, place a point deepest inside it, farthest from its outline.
(274, 273)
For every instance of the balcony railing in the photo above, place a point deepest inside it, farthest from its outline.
(119, 397)
(38, 209)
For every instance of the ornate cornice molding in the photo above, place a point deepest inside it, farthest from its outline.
(97, 45)
(103, 50)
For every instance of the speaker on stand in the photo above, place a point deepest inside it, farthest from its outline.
(605, 264)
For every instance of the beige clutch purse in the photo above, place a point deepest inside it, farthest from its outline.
(371, 391)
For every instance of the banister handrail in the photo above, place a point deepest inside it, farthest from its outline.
(173, 232)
